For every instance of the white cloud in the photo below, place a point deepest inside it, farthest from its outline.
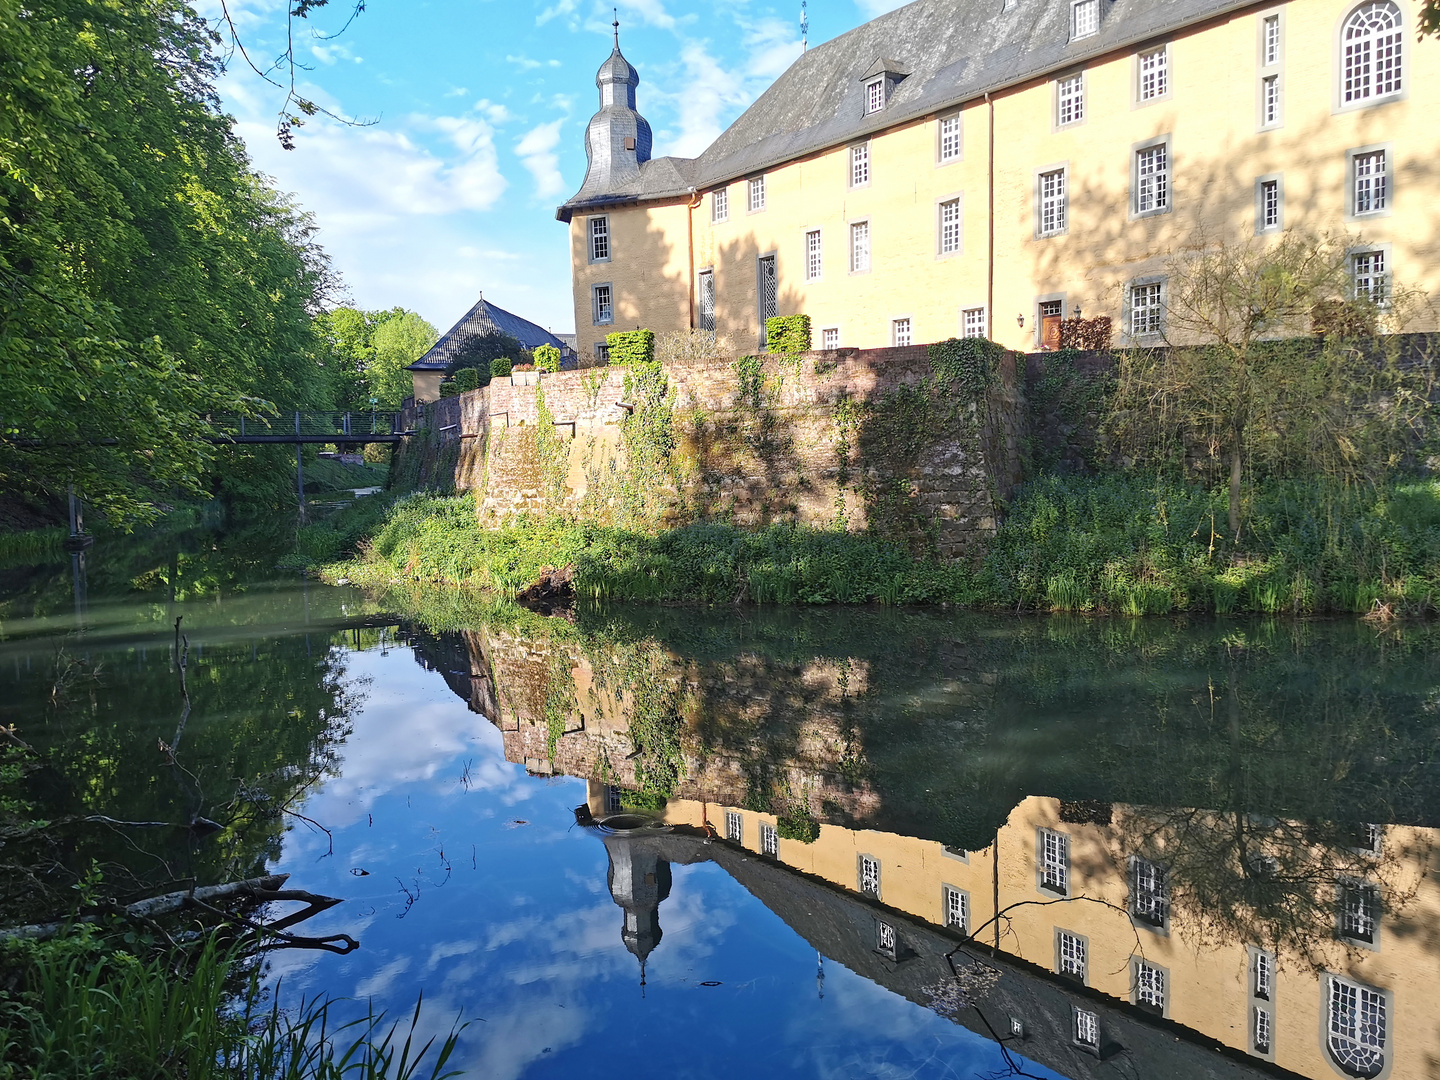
(457, 91)
(537, 151)
(554, 11)
(333, 52)
(706, 93)
(378, 982)
(494, 112)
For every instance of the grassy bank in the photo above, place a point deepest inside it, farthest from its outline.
(1123, 545)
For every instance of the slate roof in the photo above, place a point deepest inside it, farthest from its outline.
(954, 50)
(483, 318)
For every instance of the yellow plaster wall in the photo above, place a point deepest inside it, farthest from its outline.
(1217, 153)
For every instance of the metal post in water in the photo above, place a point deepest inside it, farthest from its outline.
(299, 465)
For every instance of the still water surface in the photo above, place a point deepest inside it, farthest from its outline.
(1209, 844)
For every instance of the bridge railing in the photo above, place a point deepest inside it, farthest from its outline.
(338, 424)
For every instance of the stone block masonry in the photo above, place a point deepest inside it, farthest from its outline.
(847, 439)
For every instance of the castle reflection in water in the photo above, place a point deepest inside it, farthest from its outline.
(1216, 937)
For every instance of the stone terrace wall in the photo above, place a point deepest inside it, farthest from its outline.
(748, 465)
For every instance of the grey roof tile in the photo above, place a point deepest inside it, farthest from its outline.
(483, 318)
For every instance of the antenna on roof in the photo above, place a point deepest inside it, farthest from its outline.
(616, 24)
(804, 27)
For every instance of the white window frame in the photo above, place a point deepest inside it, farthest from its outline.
(1149, 893)
(1358, 910)
(1150, 987)
(1085, 1028)
(1052, 861)
(955, 908)
(887, 941)
(612, 799)
(769, 841)
(875, 95)
(1369, 194)
(1070, 89)
(1072, 955)
(973, 322)
(1271, 112)
(1272, 46)
(902, 326)
(755, 194)
(861, 249)
(734, 826)
(1262, 1031)
(1152, 190)
(720, 205)
(1356, 1026)
(867, 872)
(1153, 76)
(1359, 91)
(949, 235)
(1262, 183)
(1262, 975)
(599, 317)
(860, 164)
(1154, 326)
(1084, 19)
(597, 231)
(1052, 207)
(949, 144)
(1382, 272)
(705, 312)
(602, 353)
(825, 331)
(814, 255)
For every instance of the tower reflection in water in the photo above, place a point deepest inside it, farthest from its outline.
(1095, 922)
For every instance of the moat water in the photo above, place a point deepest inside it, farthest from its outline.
(1209, 843)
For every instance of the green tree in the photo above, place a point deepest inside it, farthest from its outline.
(398, 341)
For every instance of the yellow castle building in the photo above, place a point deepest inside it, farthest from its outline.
(989, 167)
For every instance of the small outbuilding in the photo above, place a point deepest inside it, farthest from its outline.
(482, 319)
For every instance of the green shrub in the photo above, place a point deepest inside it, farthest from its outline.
(789, 334)
(547, 358)
(467, 379)
(449, 388)
(631, 346)
(500, 367)
(798, 827)
(967, 366)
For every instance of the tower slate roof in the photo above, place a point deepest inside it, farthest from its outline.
(484, 318)
(618, 138)
(949, 51)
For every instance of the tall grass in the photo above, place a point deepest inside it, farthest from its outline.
(83, 1011)
(32, 545)
(1123, 545)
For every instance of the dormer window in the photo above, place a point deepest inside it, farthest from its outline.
(1084, 18)
(875, 95)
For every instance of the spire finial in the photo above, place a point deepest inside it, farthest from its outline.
(804, 27)
(616, 24)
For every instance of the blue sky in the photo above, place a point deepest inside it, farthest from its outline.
(480, 110)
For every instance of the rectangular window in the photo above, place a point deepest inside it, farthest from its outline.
(859, 247)
(1269, 205)
(949, 138)
(1270, 41)
(1264, 1033)
(1270, 101)
(1359, 912)
(900, 333)
(1262, 977)
(885, 939)
(769, 291)
(1149, 892)
(812, 255)
(757, 193)
(973, 322)
(1145, 310)
(612, 799)
(1149, 986)
(874, 95)
(734, 827)
(1069, 100)
(1084, 18)
(707, 301)
(830, 337)
(1152, 179)
(604, 307)
(1154, 74)
(1087, 1028)
(957, 910)
(1071, 954)
(720, 205)
(1368, 272)
(602, 353)
(599, 239)
(1054, 861)
(860, 164)
(769, 840)
(1369, 182)
(870, 876)
(950, 238)
(1052, 203)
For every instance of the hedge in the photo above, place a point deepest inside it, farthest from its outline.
(547, 358)
(501, 367)
(789, 334)
(467, 379)
(631, 346)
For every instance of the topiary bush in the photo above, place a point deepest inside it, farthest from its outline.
(547, 358)
(631, 346)
(966, 366)
(467, 379)
(448, 388)
(501, 367)
(789, 334)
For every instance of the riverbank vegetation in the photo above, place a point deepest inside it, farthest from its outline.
(1122, 544)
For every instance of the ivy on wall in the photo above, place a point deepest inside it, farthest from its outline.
(552, 452)
(631, 346)
(789, 334)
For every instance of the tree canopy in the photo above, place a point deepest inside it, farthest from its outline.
(370, 351)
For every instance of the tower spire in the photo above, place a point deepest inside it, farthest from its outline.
(616, 25)
(804, 27)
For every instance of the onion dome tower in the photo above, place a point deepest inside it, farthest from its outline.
(618, 138)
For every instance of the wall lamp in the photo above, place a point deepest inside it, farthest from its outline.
(1077, 311)
(1020, 321)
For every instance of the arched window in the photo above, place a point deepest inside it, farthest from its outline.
(1355, 1027)
(1371, 42)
